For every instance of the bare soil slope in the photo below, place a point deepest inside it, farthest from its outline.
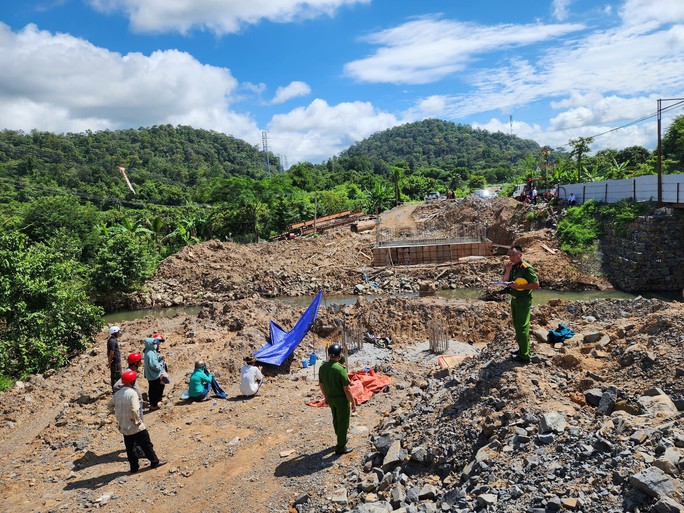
(339, 260)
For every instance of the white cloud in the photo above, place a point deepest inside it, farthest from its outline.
(254, 88)
(319, 131)
(292, 90)
(595, 83)
(641, 135)
(429, 49)
(62, 83)
(221, 17)
(637, 12)
(560, 9)
(593, 109)
(429, 107)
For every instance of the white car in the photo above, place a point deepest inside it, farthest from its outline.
(432, 196)
(483, 193)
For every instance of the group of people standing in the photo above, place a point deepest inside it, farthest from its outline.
(153, 360)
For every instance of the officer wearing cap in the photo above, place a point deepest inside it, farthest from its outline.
(334, 384)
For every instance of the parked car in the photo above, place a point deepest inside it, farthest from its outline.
(432, 196)
(483, 193)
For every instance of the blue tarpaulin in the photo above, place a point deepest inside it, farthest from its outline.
(561, 333)
(283, 343)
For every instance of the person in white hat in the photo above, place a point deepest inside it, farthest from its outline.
(114, 354)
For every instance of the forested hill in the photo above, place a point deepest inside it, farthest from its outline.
(444, 145)
(162, 161)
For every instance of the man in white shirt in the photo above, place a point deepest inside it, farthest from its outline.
(125, 404)
(250, 377)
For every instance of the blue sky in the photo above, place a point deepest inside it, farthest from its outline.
(319, 75)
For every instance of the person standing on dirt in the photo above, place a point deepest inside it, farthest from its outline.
(134, 360)
(200, 382)
(524, 281)
(126, 407)
(114, 355)
(154, 365)
(334, 384)
(250, 377)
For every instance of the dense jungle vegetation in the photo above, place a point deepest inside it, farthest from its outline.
(75, 238)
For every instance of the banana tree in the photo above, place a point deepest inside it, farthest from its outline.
(377, 198)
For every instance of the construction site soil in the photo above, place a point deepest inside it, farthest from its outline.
(592, 424)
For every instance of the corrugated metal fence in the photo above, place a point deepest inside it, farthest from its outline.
(641, 188)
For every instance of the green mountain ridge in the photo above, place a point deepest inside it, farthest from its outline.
(444, 144)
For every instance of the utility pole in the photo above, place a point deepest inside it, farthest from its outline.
(283, 162)
(264, 145)
(660, 155)
(660, 149)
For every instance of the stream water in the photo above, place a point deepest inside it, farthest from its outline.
(540, 297)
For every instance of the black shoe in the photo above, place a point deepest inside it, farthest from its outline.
(346, 450)
(134, 470)
(158, 463)
(516, 356)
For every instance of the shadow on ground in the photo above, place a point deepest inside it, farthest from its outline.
(307, 464)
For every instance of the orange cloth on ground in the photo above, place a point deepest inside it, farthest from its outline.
(362, 386)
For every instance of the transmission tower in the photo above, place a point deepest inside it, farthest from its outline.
(283, 162)
(264, 144)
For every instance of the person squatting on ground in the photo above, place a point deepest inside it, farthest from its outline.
(250, 377)
(334, 383)
(126, 407)
(154, 365)
(114, 354)
(525, 280)
(200, 382)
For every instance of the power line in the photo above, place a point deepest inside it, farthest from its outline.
(670, 107)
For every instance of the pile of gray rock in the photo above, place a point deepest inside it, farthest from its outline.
(493, 435)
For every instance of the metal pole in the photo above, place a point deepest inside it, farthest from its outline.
(660, 156)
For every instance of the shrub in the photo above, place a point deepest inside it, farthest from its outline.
(582, 226)
(45, 315)
(122, 264)
(580, 229)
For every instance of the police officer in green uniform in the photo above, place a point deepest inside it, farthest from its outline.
(524, 281)
(334, 383)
